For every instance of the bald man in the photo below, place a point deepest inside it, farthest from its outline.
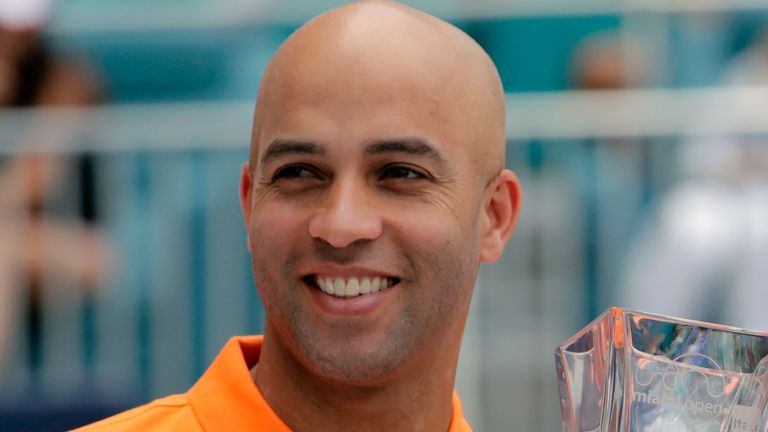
(374, 189)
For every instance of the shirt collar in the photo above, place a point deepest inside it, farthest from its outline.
(225, 397)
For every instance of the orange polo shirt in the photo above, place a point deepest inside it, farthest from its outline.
(223, 399)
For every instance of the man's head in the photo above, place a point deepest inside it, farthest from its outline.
(376, 162)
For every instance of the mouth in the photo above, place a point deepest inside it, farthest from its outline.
(348, 287)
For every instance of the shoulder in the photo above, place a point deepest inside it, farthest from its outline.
(168, 413)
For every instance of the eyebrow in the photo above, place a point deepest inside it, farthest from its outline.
(410, 145)
(281, 147)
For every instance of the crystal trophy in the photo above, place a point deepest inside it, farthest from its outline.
(630, 371)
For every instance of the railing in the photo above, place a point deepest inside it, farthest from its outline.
(88, 16)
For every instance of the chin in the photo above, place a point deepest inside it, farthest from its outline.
(355, 373)
(346, 364)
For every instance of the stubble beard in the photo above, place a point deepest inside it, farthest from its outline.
(348, 356)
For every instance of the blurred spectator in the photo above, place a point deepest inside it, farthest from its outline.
(37, 245)
(603, 61)
(609, 166)
(703, 254)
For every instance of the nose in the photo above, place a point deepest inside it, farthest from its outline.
(347, 215)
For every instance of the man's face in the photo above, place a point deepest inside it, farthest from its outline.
(362, 184)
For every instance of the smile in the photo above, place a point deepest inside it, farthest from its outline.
(345, 287)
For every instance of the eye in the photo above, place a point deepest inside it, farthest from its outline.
(295, 172)
(401, 172)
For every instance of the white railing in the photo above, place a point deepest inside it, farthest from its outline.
(100, 17)
(568, 114)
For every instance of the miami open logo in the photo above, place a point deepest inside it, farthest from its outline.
(692, 393)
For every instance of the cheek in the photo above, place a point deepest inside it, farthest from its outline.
(446, 271)
(274, 229)
(443, 253)
(437, 227)
(444, 243)
(275, 237)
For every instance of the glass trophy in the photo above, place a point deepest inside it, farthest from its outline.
(636, 372)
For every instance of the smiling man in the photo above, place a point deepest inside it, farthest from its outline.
(375, 188)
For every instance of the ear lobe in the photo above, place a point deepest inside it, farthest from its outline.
(502, 211)
(246, 191)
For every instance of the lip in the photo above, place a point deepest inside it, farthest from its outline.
(347, 272)
(360, 305)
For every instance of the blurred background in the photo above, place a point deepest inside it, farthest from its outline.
(638, 129)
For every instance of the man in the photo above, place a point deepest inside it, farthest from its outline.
(374, 189)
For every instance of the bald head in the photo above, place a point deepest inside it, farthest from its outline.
(386, 54)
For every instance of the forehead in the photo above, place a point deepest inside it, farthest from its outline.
(359, 101)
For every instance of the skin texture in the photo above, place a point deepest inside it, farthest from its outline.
(377, 148)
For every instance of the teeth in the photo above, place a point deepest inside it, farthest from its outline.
(339, 288)
(326, 285)
(353, 286)
(365, 286)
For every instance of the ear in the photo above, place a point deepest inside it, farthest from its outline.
(501, 212)
(246, 196)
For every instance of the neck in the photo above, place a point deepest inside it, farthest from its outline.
(418, 398)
